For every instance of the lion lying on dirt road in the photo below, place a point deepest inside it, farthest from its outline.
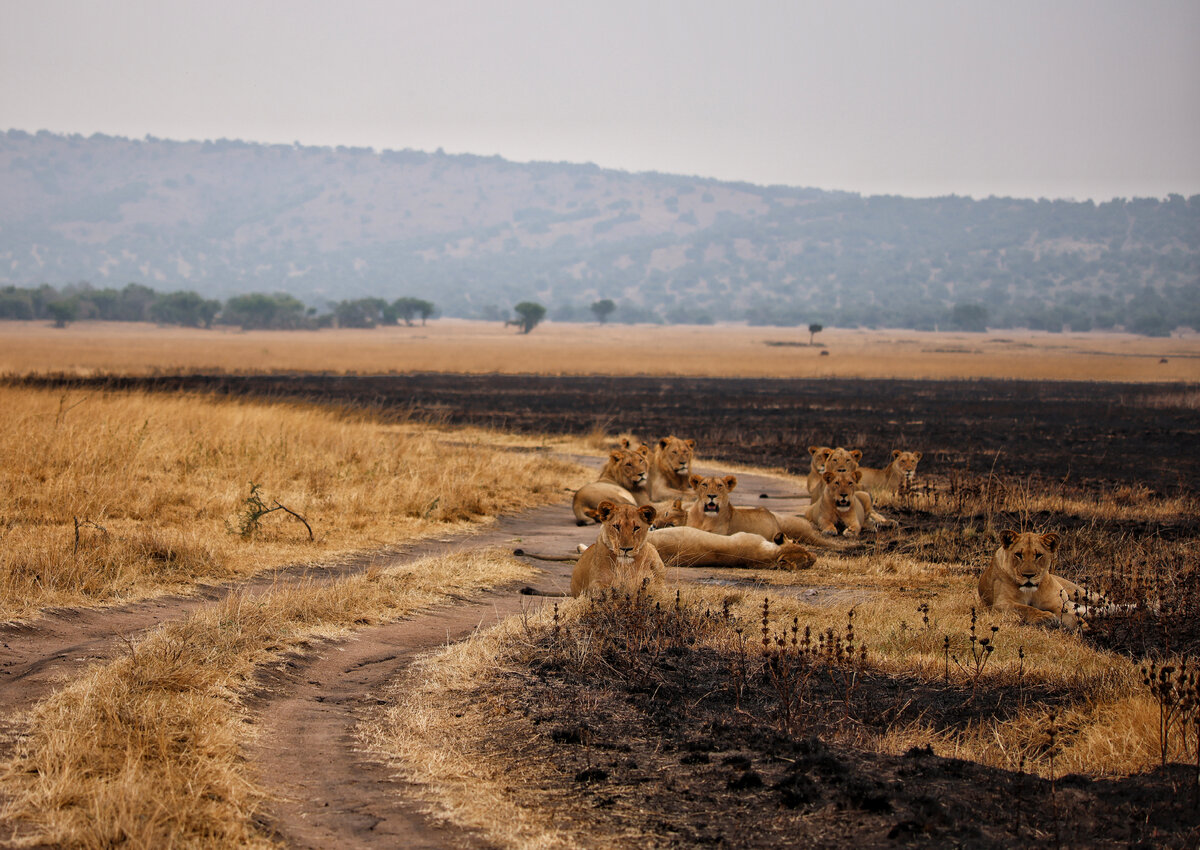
(682, 546)
(1020, 579)
(901, 472)
(622, 552)
(623, 479)
(713, 511)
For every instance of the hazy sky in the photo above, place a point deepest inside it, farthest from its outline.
(1054, 98)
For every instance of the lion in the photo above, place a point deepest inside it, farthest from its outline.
(682, 546)
(842, 507)
(901, 472)
(670, 466)
(623, 479)
(622, 552)
(713, 511)
(816, 468)
(1020, 579)
(838, 460)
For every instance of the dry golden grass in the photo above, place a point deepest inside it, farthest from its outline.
(443, 729)
(448, 345)
(144, 751)
(108, 496)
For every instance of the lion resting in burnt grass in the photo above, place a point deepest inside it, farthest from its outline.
(1020, 579)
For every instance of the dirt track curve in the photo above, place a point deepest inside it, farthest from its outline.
(328, 793)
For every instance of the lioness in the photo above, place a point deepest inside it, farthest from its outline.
(670, 466)
(838, 460)
(901, 472)
(1019, 579)
(816, 468)
(622, 551)
(690, 547)
(623, 479)
(713, 511)
(841, 505)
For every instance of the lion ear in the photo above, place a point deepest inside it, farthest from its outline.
(812, 450)
(917, 455)
(896, 453)
(662, 444)
(1007, 537)
(857, 475)
(829, 475)
(779, 539)
(615, 456)
(1051, 540)
(605, 509)
(856, 454)
(643, 449)
(677, 505)
(694, 481)
(691, 443)
(624, 442)
(730, 481)
(648, 512)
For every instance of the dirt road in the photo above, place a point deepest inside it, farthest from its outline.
(328, 794)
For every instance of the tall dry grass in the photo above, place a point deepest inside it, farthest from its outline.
(108, 496)
(146, 751)
(447, 345)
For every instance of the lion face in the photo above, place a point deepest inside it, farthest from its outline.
(1029, 556)
(676, 454)
(906, 463)
(820, 454)
(712, 493)
(628, 467)
(624, 529)
(672, 517)
(842, 460)
(840, 488)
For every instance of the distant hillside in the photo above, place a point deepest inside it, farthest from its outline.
(475, 235)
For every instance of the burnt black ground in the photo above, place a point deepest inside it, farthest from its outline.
(1085, 433)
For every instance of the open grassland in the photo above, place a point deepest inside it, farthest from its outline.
(447, 345)
(784, 701)
(108, 496)
(148, 750)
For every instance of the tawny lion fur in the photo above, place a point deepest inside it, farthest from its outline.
(1020, 579)
(622, 553)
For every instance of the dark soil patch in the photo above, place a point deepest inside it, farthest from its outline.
(1081, 432)
(668, 744)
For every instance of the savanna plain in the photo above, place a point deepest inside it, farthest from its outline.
(192, 520)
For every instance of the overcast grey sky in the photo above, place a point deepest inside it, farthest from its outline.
(1053, 98)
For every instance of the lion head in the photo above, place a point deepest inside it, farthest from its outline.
(840, 488)
(712, 493)
(628, 467)
(624, 529)
(676, 454)
(820, 454)
(843, 460)
(1029, 557)
(906, 464)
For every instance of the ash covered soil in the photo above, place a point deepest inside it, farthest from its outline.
(1082, 433)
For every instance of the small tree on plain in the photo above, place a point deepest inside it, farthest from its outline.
(603, 309)
(529, 314)
(62, 312)
(814, 329)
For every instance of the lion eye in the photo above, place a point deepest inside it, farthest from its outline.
(1039, 555)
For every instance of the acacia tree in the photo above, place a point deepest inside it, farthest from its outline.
(529, 314)
(814, 329)
(603, 309)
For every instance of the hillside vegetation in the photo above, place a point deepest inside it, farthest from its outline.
(479, 234)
